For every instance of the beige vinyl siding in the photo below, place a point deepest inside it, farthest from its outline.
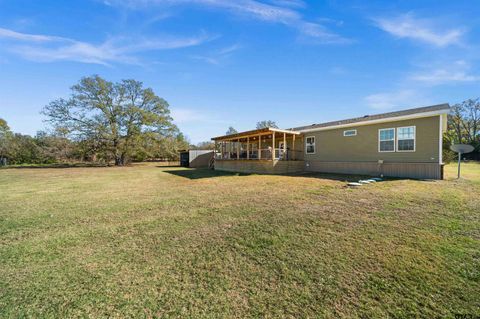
(332, 146)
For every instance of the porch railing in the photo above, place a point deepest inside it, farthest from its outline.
(261, 154)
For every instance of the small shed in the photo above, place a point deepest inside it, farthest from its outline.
(196, 158)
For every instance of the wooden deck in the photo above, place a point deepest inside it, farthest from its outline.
(260, 166)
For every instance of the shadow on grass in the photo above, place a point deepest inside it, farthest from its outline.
(348, 178)
(62, 165)
(336, 177)
(200, 173)
(168, 166)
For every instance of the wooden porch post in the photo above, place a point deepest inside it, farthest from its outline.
(284, 146)
(248, 147)
(293, 147)
(273, 146)
(259, 156)
(238, 149)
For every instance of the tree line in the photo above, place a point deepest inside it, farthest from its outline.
(101, 121)
(463, 128)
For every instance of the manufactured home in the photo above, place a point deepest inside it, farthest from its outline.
(406, 143)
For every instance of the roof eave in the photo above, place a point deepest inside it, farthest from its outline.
(381, 120)
(266, 130)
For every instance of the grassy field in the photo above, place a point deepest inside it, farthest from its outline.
(149, 241)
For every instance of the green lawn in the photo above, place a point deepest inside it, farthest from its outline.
(148, 241)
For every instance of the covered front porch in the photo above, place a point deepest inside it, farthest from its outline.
(265, 151)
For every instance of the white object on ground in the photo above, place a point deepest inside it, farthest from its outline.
(354, 184)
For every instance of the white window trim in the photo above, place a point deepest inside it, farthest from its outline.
(350, 131)
(314, 146)
(414, 139)
(394, 139)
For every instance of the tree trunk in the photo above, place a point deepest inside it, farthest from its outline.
(118, 161)
(116, 154)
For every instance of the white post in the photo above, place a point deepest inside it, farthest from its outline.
(259, 156)
(459, 162)
(273, 146)
(293, 147)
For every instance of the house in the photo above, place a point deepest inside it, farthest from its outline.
(405, 143)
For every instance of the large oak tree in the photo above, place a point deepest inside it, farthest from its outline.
(116, 115)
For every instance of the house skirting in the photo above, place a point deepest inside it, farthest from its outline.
(402, 170)
(260, 166)
(405, 170)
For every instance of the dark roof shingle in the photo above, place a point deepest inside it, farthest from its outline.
(376, 117)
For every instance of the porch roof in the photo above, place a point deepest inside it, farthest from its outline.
(262, 131)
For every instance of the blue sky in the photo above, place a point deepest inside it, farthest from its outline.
(226, 63)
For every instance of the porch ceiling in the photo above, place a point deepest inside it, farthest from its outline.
(252, 133)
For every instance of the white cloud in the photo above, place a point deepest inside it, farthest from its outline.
(424, 30)
(230, 49)
(280, 11)
(217, 57)
(444, 76)
(289, 3)
(45, 48)
(390, 100)
(459, 71)
(10, 34)
(319, 32)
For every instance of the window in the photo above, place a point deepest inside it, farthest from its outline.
(386, 140)
(406, 139)
(310, 145)
(350, 133)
